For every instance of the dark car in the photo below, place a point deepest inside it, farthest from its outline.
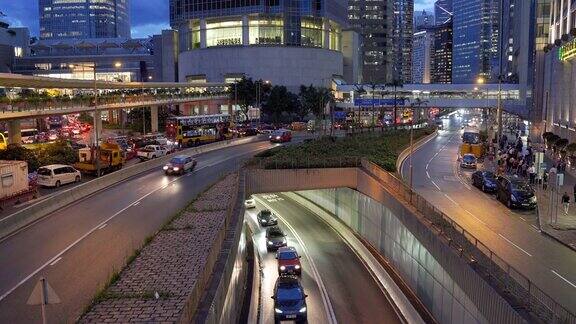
(515, 193)
(468, 161)
(484, 180)
(289, 300)
(266, 218)
(288, 261)
(275, 238)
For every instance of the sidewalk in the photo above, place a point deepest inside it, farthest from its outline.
(551, 216)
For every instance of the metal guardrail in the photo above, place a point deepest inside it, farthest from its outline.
(525, 294)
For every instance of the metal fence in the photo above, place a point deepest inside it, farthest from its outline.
(523, 294)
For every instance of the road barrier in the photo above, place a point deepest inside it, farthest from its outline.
(33, 213)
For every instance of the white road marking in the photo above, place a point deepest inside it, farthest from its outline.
(536, 228)
(55, 261)
(101, 227)
(323, 292)
(515, 245)
(452, 200)
(568, 281)
(427, 165)
(522, 218)
(59, 254)
(480, 220)
(136, 203)
(427, 174)
(435, 185)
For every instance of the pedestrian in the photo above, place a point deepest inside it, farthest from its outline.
(545, 181)
(574, 192)
(566, 202)
(532, 175)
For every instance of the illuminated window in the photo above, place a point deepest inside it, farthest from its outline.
(18, 52)
(225, 33)
(266, 30)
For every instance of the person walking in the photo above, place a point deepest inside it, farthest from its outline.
(566, 202)
(532, 175)
(574, 192)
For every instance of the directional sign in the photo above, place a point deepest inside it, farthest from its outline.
(43, 295)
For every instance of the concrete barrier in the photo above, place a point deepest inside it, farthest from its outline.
(406, 152)
(33, 213)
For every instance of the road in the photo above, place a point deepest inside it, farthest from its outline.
(511, 234)
(77, 247)
(340, 289)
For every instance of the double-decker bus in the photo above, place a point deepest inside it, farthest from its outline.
(197, 130)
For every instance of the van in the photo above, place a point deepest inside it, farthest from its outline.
(281, 136)
(56, 175)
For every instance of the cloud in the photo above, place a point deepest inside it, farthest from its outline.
(143, 31)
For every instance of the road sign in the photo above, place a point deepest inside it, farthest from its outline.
(43, 295)
(253, 113)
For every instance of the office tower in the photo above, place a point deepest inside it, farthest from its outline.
(422, 50)
(402, 40)
(423, 20)
(442, 53)
(476, 40)
(83, 19)
(442, 11)
(373, 20)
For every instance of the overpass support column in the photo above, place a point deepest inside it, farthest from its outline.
(14, 134)
(154, 119)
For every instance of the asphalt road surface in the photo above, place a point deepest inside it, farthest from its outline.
(511, 234)
(78, 247)
(340, 289)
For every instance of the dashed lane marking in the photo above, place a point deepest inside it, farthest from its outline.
(568, 281)
(514, 244)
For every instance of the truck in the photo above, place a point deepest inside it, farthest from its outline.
(471, 143)
(151, 152)
(106, 158)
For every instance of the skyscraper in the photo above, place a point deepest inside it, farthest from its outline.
(442, 53)
(373, 20)
(422, 50)
(82, 19)
(442, 11)
(423, 20)
(402, 40)
(476, 40)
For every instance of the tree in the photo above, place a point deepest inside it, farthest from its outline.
(280, 101)
(396, 84)
(308, 102)
(245, 93)
(20, 153)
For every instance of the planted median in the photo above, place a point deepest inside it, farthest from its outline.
(382, 148)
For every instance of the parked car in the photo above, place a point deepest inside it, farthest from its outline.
(484, 180)
(288, 261)
(469, 161)
(55, 175)
(289, 300)
(250, 203)
(151, 152)
(281, 136)
(179, 164)
(515, 193)
(266, 218)
(275, 238)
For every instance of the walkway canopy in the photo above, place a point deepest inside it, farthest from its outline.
(9, 80)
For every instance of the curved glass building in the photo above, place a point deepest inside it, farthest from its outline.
(244, 36)
(81, 19)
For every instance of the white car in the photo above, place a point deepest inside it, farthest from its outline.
(151, 152)
(55, 175)
(250, 203)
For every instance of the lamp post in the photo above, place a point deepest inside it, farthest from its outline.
(481, 81)
(95, 119)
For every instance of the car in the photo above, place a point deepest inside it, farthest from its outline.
(484, 180)
(179, 164)
(267, 218)
(151, 152)
(55, 175)
(275, 238)
(288, 261)
(281, 136)
(250, 203)
(515, 193)
(289, 300)
(468, 161)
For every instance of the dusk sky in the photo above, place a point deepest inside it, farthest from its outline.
(148, 16)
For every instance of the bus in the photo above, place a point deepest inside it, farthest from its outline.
(471, 143)
(197, 130)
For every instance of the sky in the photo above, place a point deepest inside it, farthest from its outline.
(148, 16)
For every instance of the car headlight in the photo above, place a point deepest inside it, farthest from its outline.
(278, 311)
(303, 309)
(513, 198)
(263, 221)
(282, 268)
(165, 168)
(277, 137)
(270, 243)
(176, 168)
(533, 199)
(297, 267)
(270, 136)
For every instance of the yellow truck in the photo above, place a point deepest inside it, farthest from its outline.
(108, 155)
(471, 143)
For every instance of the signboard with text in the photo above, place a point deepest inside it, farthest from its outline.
(368, 102)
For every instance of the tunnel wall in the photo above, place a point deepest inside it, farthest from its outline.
(440, 288)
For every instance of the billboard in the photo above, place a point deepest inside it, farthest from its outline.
(368, 102)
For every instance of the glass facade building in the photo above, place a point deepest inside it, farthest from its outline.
(402, 38)
(442, 53)
(442, 11)
(476, 40)
(82, 19)
(306, 23)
